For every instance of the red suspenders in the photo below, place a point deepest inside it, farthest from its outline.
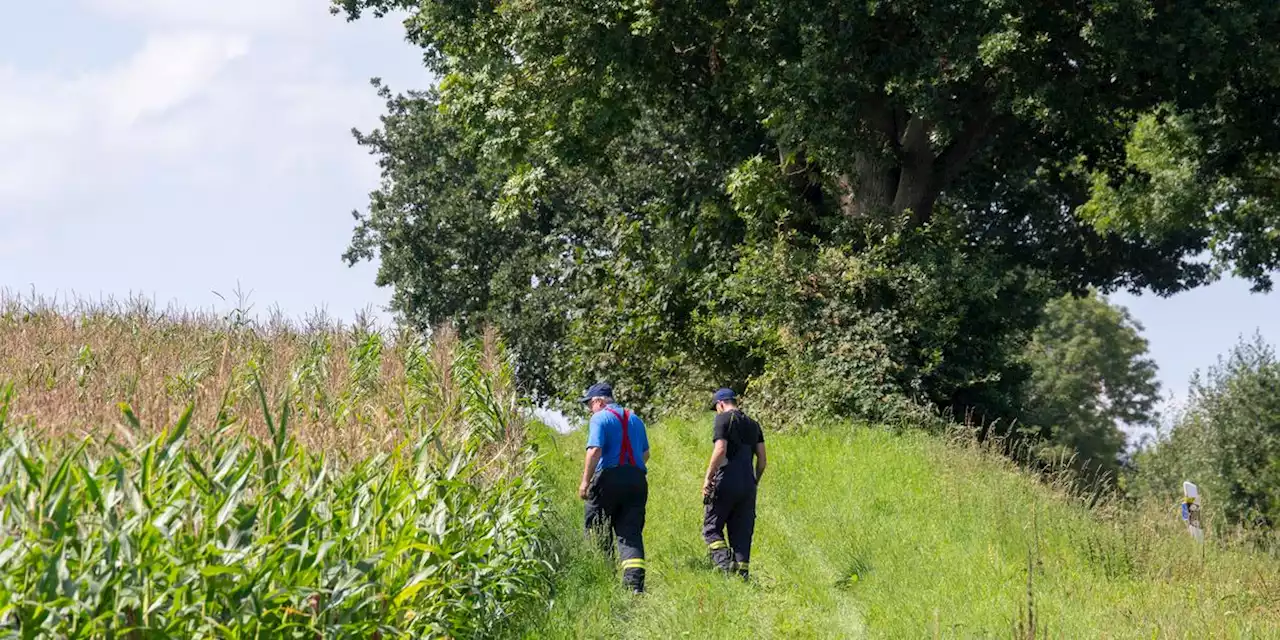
(625, 455)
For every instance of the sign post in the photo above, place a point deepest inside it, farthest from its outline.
(1191, 510)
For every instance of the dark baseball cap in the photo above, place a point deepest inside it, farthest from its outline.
(724, 395)
(598, 390)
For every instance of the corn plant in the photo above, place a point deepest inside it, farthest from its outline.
(242, 537)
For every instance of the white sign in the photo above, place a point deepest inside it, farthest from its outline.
(1191, 510)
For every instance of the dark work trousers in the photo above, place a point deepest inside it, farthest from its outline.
(732, 507)
(616, 501)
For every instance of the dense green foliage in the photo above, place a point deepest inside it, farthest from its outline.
(206, 532)
(867, 533)
(1227, 441)
(842, 207)
(1090, 374)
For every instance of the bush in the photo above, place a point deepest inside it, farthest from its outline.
(898, 331)
(827, 349)
(1227, 441)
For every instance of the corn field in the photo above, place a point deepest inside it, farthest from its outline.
(376, 490)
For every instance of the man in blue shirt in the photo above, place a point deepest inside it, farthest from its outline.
(614, 482)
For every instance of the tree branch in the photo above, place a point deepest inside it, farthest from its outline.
(972, 136)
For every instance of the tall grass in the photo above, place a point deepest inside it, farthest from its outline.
(180, 475)
(863, 532)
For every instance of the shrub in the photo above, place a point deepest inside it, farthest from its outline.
(900, 331)
(1227, 441)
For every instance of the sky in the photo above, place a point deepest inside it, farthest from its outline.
(1189, 331)
(175, 148)
(181, 150)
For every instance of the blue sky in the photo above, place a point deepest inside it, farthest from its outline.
(175, 148)
(1189, 331)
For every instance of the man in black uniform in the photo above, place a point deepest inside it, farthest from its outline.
(729, 491)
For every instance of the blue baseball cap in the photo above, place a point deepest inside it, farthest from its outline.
(598, 390)
(724, 395)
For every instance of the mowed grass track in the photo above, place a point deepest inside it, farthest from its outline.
(791, 594)
(866, 533)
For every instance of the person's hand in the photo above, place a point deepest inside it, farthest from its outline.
(706, 487)
(582, 490)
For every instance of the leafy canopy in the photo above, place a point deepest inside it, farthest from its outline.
(1090, 374)
(883, 192)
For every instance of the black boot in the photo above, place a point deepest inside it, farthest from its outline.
(633, 574)
(742, 569)
(721, 556)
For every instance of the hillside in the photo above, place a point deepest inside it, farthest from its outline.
(865, 533)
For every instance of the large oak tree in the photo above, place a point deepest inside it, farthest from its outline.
(651, 149)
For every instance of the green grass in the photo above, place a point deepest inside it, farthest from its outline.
(866, 533)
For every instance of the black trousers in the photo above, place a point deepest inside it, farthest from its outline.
(616, 503)
(732, 509)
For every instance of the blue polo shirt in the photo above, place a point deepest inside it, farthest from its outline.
(605, 431)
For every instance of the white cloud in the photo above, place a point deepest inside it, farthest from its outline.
(213, 88)
(186, 145)
(34, 105)
(253, 15)
(81, 131)
(36, 109)
(170, 69)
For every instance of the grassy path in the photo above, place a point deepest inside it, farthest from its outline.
(792, 593)
(863, 533)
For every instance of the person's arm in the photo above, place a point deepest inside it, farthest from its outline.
(760, 461)
(595, 450)
(644, 437)
(588, 469)
(719, 451)
(717, 458)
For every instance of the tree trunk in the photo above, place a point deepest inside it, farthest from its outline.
(878, 188)
(868, 191)
(917, 186)
(910, 175)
